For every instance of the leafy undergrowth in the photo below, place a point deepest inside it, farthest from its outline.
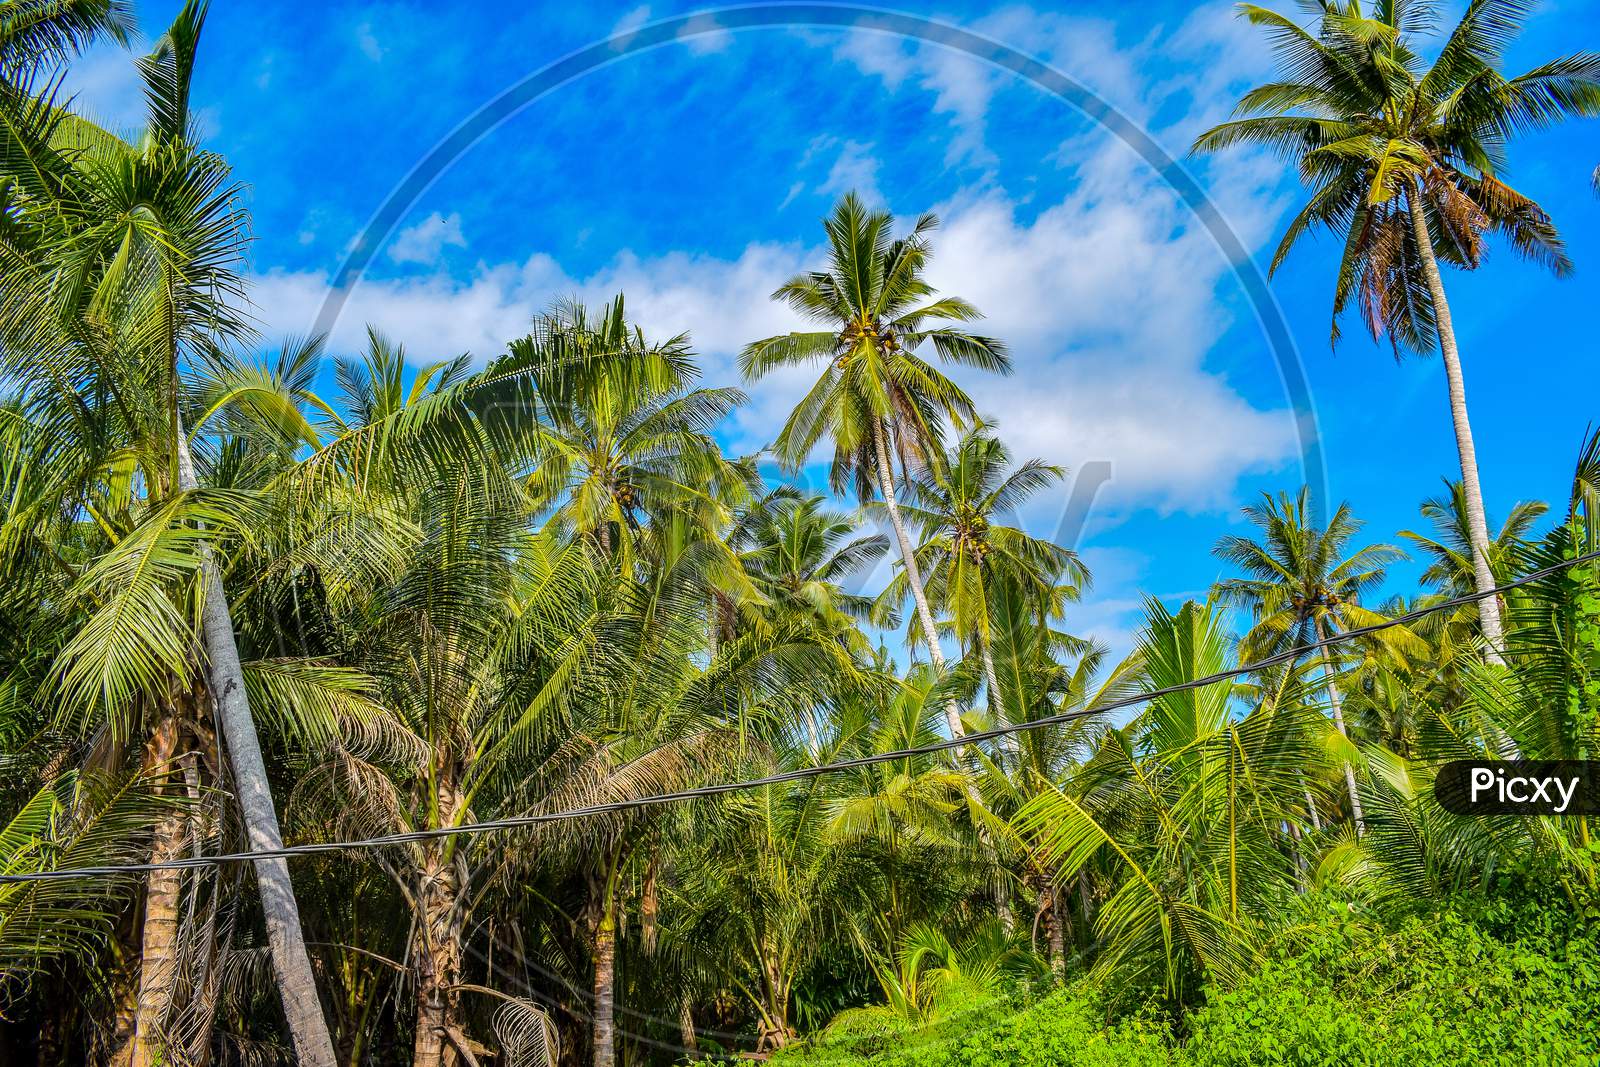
(1505, 984)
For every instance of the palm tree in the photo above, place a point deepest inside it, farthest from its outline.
(1186, 807)
(796, 552)
(1403, 159)
(126, 262)
(38, 35)
(1041, 673)
(965, 549)
(1449, 548)
(1301, 587)
(877, 397)
(76, 820)
(623, 433)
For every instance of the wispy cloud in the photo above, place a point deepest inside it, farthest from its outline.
(1106, 298)
(105, 88)
(367, 41)
(704, 35)
(424, 242)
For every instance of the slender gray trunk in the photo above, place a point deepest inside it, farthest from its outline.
(1311, 805)
(297, 988)
(1010, 742)
(713, 627)
(1336, 705)
(908, 557)
(952, 713)
(1477, 524)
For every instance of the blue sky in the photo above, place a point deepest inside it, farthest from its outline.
(693, 176)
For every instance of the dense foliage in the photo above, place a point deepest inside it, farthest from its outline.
(1474, 981)
(319, 597)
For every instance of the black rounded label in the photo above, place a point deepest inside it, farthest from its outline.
(1519, 787)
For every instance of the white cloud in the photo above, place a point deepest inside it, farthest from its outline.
(1106, 299)
(106, 88)
(964, 86)
(724, 304)
(629, 23)
(854, 167)
(367, 41)
(424, 242)
(704, 35)
(1212, 56)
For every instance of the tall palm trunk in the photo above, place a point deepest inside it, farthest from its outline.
(297, 988)
(908, 557)
(158, 955)
(605, 973)
(1011, 743)
(952, 713)
(438, 956)
(1336, 705)
(686, 1036)
(1477, 523)
(1311, 805)
(1055, 931)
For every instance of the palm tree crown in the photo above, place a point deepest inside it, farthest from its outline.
(879, 311)
(1374, 129)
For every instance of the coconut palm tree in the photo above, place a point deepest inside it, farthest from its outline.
(1449, 548)
(1301, 586)
(964, 548)
(877, 398)
(125, 262)
(797, 552)
(1186, 806)
(1039, 674)
(555, 674)
(624, 434)
(44, 34)
(1403, 159)
(75, 820)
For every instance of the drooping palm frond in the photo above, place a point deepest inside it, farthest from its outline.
(1374, 128)
(78, 820)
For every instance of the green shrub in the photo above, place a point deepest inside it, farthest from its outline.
(1065, 1029)
(1433, 990)
(1497, 979)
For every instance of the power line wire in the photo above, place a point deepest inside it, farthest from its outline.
(800, 773)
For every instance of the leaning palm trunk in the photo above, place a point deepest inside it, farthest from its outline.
(1336, 705)
(297, 989)
(1477, 523)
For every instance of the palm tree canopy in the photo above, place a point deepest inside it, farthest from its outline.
(879, 310)
(1449, 547)
(623, 431)
(1301, 578)
(1369, 123)
(960, 503)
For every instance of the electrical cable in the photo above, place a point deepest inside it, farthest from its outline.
(799, 773)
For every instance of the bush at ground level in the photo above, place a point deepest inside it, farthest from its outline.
(1501, 984)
